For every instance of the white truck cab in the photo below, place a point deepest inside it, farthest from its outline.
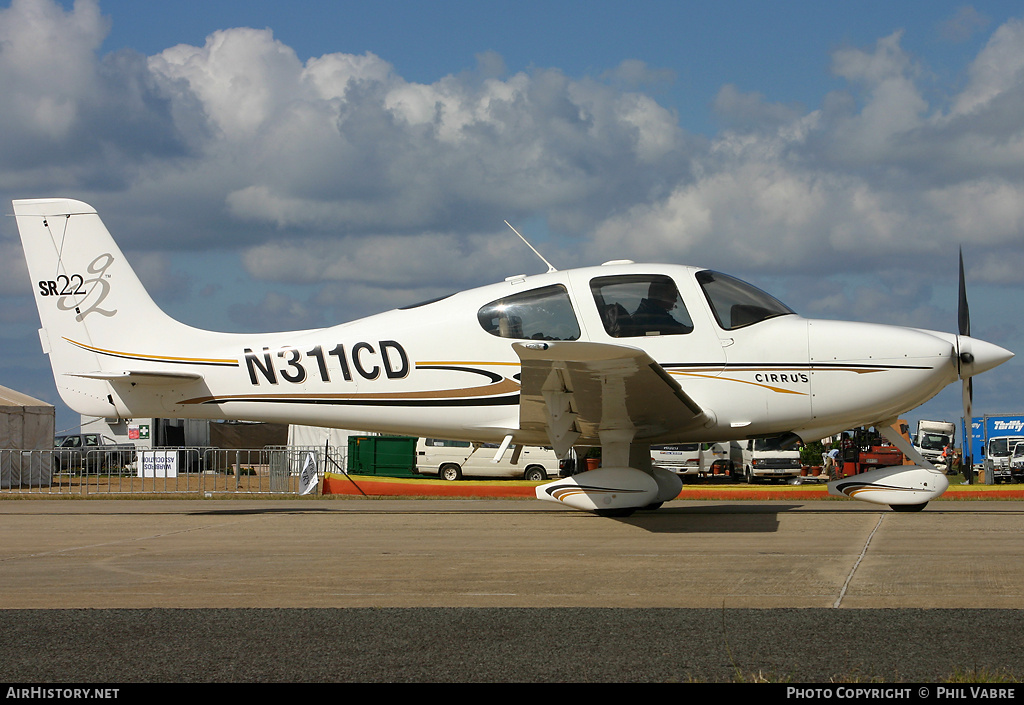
(758, 459)
(1017, 459)
(998, 465)
(933, 437)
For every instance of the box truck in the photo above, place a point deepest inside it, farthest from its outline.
(932, 439)
(993, 438)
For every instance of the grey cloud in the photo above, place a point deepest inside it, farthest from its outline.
(68, 117)
(963, 25)
(737, 109)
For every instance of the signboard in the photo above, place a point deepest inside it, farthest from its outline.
(158, 463)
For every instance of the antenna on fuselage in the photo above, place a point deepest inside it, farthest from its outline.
(551, 267)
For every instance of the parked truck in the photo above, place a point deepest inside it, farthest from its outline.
(993, 438)
(998, 452)
(684, 459)
(693, 460)
(1017, 458)
(932, 439)
(91, 451)
(764, 459)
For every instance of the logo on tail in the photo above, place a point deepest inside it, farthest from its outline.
(70, 287)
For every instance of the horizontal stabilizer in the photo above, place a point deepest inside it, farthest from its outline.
(140, 376)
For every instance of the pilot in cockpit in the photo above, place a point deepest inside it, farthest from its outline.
(653, 315)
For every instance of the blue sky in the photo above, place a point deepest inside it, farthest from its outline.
(276, 165)
(779, 49)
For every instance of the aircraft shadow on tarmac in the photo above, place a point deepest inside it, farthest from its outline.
(761, 518)
(261, 510)
(731, 518)
(714, 519)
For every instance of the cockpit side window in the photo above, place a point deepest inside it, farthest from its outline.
(540, 314)
(640, 305)
(737, 304)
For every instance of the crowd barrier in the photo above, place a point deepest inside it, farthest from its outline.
(273, 469)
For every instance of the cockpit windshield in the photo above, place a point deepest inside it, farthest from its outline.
(737, 304)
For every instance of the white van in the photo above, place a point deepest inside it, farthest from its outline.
(453, 460)
(692, 459)
(763, 459)
(681, 458)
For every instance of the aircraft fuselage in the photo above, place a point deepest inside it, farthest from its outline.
(781, 374)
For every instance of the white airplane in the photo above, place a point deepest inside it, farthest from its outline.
(619, 356)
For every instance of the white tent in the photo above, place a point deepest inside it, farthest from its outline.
(318, 436)
(26, 440)
(319, 439)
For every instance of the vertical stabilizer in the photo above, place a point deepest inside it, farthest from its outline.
(89, 299)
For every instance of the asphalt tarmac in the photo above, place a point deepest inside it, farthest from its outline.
(383, 590)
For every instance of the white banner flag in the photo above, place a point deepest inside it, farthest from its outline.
(308, 479)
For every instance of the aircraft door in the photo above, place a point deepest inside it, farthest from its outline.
(658, 313)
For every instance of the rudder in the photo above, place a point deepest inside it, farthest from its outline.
(89, 298)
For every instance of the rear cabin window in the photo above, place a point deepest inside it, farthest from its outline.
(640, 305)
(540, 314)
(441, 443)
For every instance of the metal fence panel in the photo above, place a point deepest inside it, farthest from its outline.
(202, 471)
(25, 468)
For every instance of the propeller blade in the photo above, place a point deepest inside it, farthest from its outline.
(968, 400)
(963, 312)
(963, 340)
(967, 466)
(963, 361)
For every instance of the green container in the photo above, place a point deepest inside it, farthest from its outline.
(388, 456)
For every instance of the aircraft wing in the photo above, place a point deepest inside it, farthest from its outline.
(575, 390)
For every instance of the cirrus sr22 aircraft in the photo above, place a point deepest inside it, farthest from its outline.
(619, 356)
